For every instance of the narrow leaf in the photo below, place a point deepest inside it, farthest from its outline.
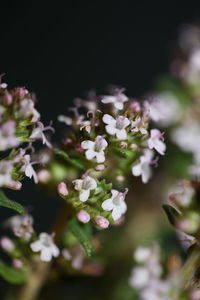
(12, 275)
(171, 213)
(70, 160)
(83, 233)
(5, 202)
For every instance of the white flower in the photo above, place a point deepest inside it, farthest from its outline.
(143, 167)
(8, 138)
(6, 167)
(95, 149)
(156, 141)
(117, 100)
(84, 186)
(21, 226)
(187, 136)
(164, 109)
(116, 127)
(139, 278)
(142, 254)
(38, 133)
(27, 109)
(138, 126)
(116, 203)
(28, 169)
(46, 246)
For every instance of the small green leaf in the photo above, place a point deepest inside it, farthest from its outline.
(12, 275)
(83, 234)
(70, 160)
(5, 202)
(171, 213)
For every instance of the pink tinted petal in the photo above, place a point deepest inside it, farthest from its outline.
(116, 213)
(146, 174)
(108, 119)
(36, 246)
(123, 207)
(111, 130)
(55, 251)
(126, 122)
(114, 193)
(87, 145)
(136, 170)
(160, 147)
(45, 254)
(108, 99)
(107, 205)
(83, 196)
(119, 105)
(121, 134)
(100, 157)
(90, 154)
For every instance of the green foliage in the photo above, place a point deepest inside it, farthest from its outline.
(83, 234)
(75, 162)
(11, 274)
(5, 202)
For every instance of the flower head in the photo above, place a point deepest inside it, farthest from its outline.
(84, 186)
(143, 167)
(38, 133)
(156, 141)
(46, 246)
(138, 126)
(116, 126)
(116, 203)
(95, 149)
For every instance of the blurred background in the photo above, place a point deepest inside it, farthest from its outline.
(59, 50)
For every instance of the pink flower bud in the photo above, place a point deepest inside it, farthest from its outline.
(43, 176)
(67, 142)
(21, 92)
(7, 98)
(102, 222)
(123, 145)
(120, 178)
(17, 263)
(83, 216)
(78, 148)
(7, 244)
(100, 167)
(134, 147)
(135, 105)
(62, 189)
(66, 254)
(15, 185)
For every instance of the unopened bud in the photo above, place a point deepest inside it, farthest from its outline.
(7, 244)
(17, 263)
(123, 145)
(7, 98)
(83, 216)
(100, 167)
(62, 189)
(134, 147)
(43, 176)
(102, 222)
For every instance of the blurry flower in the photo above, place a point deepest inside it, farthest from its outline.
(6, 167)
(118, 100)
(142, 254)
(43, 176)
(83, 216)
(156, 141)
(6, 244)
(140, 277)
(17, 263)
(164, 109)
(116, 203)
(27, 109)
(100, 167)
(67, 120)
(62, 189)
(102, 222)
(183, 196)
(66, 254)
(143, 167)
(21, 226)
(116, 127)
(84, 186)
(95, 149)
(8, 138)
(46, 246)
(38, 133)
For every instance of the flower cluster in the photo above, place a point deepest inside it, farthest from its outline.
(106, 146)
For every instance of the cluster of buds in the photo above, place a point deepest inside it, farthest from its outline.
(106, 147)
(157, 280)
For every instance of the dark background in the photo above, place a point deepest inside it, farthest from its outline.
(60, 49)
